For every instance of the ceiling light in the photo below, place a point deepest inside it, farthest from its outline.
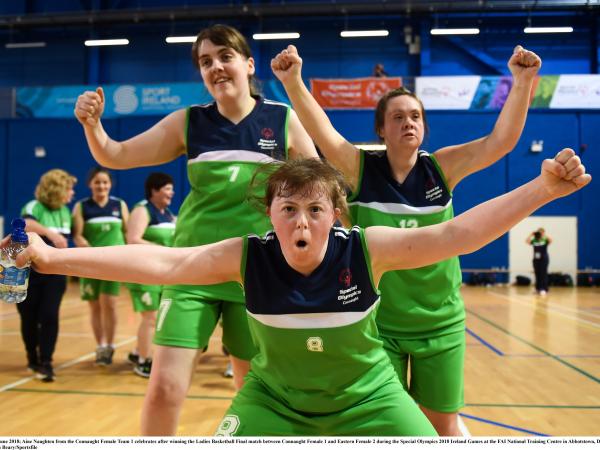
(180, 39)
(265, 36)
(364, 33)
(444, 31)
(548, 30)
(24, 44)
(101, 42)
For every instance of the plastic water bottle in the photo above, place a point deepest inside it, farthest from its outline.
(14, 281)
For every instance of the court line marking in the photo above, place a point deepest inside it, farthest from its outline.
(64, 365)
(462, 427)
(509, 405)
(62, 334)
(539, 349)
(502, 425)
(113, 394)
(484, 342)
(553, 309)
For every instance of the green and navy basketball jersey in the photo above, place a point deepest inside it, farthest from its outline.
(317, 337)
(540, 248)
(58, 220)
(103, 225)
(418, 302)
(160, 230)
(222, 158)
(161, 225)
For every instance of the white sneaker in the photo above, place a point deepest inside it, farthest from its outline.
(543, 293)
(228, 372)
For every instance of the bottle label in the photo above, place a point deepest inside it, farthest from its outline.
(12, 276)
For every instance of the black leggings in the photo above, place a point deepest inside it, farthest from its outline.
(39, 316)
(540, 266)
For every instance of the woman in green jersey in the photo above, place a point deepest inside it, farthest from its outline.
(312, 294)
(224, 141)
(49, 217)
(98, 221)
(151, 222)
(422, 317)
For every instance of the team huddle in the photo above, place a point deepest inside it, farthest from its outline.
(325, 324)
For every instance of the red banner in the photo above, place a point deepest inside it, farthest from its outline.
(351, 93)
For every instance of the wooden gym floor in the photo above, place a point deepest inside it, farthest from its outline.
(532, 368)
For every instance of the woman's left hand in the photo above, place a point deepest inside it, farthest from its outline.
(524, 64)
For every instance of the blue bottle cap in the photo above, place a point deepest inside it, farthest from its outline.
(18, 231)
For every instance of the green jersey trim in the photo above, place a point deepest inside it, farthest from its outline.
(440, 171)
(232, 156)
(361, 166)
(104, 219)
(313, 320)
(29, 207)
(167, 225)
(398, 208)
(365, 247)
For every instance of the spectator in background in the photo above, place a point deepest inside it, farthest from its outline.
(98, 221)
(540, 242)
(379, 71)
(48, 216)
(151, 222)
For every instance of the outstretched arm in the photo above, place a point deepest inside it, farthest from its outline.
(458, 161)
(342, 154)
(160, 144)
(146, 264)
(397, 248)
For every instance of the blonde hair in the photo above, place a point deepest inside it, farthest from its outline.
(53, 187)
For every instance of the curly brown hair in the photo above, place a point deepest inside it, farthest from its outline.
(53, 187)
(302, 176)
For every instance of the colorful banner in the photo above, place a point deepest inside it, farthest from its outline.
(120, 100)
(577, 91)
(355, 93)
(473, 93)
(447, 92)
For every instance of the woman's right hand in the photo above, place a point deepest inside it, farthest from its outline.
(287, 65)
(38, 253)
(89, 107)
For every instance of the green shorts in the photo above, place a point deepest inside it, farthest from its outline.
(188, 320)
(144, 299)
(389, 411)
(90, 289)
(436, 369)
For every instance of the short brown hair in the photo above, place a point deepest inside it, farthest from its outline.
(382, 106)
(303, 177)
(229, 37)
(53, 186)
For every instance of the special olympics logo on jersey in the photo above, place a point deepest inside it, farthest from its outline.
(267, 133)
(345, 277)
(126, 100)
